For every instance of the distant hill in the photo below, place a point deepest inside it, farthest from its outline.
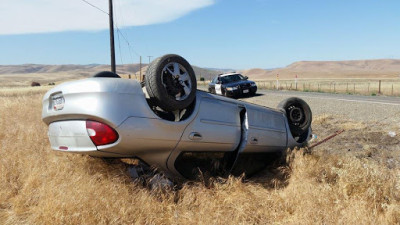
(353, 65)
(200, 72)
(379, 68)
(79, 69)
(220, 70)
(255, 73)
(23, 75)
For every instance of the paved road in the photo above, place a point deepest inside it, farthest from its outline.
(362, 108)
(384, 110)
(383, 100)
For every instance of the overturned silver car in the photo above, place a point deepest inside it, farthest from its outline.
(169, 123)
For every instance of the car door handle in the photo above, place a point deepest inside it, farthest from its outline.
(195, 136)
(253, 140)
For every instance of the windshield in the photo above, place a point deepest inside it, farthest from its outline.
(231, 78)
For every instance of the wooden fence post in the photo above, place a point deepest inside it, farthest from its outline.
(379, 87)
(392, 89)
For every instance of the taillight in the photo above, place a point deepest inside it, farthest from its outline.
(100, 133)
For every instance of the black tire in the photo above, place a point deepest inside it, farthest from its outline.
(298, 114)
(224, 93)
(107, 74)
(167, 90)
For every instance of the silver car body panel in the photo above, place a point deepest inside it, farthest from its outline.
(110, 100)
(214, 125)
(70, 135)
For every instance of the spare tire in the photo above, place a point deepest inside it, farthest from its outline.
(171, 82)
(107, 74)
(298, 114)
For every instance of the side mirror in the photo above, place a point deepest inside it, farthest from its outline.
(218, 82)
(246, 77)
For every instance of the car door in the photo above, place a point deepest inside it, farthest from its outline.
(216, 128)
(266, 130)
(218, 89)
(211, 85)
(218, 86)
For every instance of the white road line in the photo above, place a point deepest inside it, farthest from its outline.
(350, 100)
(361, 101)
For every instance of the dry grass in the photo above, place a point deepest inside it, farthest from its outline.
(330, 185)
(19, 91)
(389, 87)
(25, 79)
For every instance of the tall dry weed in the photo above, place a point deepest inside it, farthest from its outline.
(329, 185)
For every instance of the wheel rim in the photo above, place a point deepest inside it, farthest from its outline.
(176, 81)
(296, 115)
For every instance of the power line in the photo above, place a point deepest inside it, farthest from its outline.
(95, 7)
(119, 47)
(126, 40)
(118, 33)
(118, 30)
(120, 15)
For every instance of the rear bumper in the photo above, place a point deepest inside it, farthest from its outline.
(70, 136)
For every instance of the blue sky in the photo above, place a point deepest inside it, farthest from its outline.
(235, 34)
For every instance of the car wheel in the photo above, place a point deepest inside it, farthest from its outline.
(224, 93)
(107, 74)
(298, 114)
(171, 82)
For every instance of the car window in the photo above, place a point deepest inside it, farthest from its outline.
(215, 80)
(231, 78)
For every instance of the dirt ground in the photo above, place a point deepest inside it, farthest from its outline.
(352, 179)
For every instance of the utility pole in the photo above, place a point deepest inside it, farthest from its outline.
(140, 69)
(112, 45)
(277, 81)
(149, 58)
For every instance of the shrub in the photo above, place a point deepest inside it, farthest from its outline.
(35, 84)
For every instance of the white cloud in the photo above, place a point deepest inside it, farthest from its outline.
(41, 16)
